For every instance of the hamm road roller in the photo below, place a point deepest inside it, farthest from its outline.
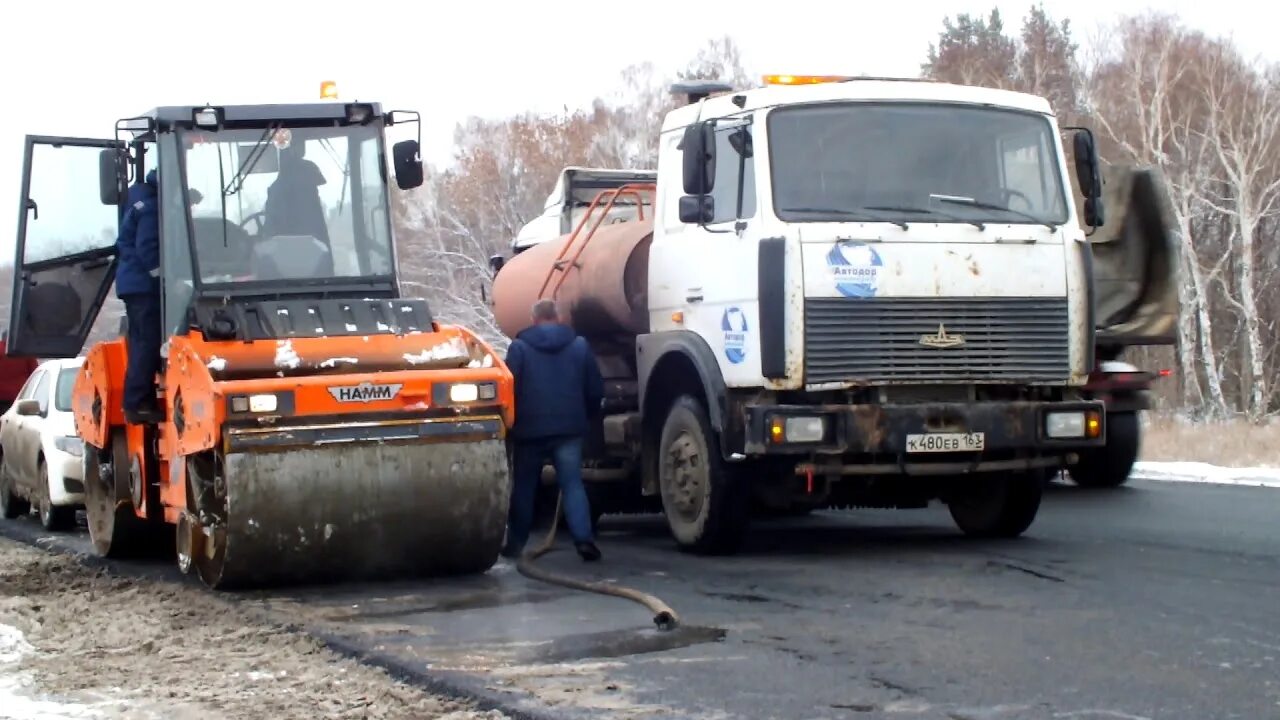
(316, 426)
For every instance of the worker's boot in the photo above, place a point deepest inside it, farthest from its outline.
(146, 414)
(587, 551)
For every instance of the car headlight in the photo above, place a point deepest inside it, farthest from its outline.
(70, 444)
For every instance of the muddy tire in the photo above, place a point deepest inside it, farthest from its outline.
(115, 531)
(11, 506)
(54, 518)
(1000, 506)
(1109, 466)
(707, 505)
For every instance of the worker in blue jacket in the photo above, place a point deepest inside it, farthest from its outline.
(558, 391)
(138, 286)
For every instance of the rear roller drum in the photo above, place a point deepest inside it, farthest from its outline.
(114, 529)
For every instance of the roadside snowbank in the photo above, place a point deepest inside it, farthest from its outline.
(1206, 473)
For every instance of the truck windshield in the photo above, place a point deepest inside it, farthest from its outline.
(914, 162)
(272, 204)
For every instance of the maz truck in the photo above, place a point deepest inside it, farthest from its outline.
(844, 293)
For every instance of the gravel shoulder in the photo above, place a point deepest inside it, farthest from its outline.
(128, 647)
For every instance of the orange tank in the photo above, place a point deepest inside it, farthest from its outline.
(603, 293)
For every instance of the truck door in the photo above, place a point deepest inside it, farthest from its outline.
(64, 262)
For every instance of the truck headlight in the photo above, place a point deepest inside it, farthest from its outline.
(71, 445)
(1074, 424)
(798, 429)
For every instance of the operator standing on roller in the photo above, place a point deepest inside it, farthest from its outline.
(138, 286)
(558, 393)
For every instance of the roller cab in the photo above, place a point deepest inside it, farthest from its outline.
(317, 426)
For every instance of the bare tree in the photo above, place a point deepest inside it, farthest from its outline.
(1242, 135)
(1143, 97)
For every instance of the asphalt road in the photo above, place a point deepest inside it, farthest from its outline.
(1158, 600)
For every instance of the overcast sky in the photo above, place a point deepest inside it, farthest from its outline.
(73, 67)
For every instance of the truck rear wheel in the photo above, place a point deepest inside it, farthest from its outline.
(1110, 465)
(706, 504)
(1000, 506)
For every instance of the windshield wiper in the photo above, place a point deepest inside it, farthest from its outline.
(975, 203)
(246, 167)
(851, 213)
(928, 211)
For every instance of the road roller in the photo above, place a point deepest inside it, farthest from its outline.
(314, 425)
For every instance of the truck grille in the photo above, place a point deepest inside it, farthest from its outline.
(879, 340)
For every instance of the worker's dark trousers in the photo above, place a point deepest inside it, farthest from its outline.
(565, 454)
(143, 343)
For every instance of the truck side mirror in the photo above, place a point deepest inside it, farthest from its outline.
(699, 209)
(109, 177)
(1089, 176)
(408, 164)
(699, 147)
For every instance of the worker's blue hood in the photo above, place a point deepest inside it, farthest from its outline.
(549, 337)
(151, 177)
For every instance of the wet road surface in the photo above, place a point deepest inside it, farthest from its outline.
(1157, 600)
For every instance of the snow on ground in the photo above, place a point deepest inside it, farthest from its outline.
(1206, 473)
(79, 643)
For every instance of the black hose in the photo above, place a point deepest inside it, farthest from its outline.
(663, 616)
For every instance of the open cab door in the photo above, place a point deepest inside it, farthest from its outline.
(64, 261)
(1135, 261)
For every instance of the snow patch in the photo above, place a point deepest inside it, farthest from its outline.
(487, 362)
(13, 644)
(333, 362)
(1206, 473)
(217, 364)
(286, 356)
(16, 688)
(454, 349)
(383, 327)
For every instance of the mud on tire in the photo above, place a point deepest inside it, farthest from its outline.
(706, 503)
(998, 506)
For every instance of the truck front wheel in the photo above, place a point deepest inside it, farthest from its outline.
(706, 504)
(1110, 465)
(999, 506)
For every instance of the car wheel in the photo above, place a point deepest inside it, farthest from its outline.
(53, 517)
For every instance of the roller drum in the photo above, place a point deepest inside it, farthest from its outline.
(358, 511)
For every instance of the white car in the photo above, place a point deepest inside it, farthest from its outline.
(40, 454)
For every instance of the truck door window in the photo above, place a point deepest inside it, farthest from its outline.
(735, 175)
(1021, 158)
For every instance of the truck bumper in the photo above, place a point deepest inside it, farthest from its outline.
(1014, 434)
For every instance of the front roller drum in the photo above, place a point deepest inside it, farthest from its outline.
(356, 511)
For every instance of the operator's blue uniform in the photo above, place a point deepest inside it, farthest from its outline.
(138, 285)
